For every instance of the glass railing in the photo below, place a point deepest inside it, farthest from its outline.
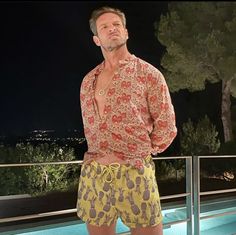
(192, 194)
(198, 193)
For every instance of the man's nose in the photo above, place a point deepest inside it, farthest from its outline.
(112, 28)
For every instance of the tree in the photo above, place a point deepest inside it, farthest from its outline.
(46, 178)
(38, 179)
(200, 47)
(13, 179)
(200, 138)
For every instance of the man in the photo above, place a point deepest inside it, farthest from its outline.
(127, 116)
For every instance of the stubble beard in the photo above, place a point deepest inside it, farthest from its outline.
(111, 48)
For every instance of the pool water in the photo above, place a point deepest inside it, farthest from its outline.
(222, 225)
(70, 228)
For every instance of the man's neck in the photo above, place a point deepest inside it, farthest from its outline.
(112, 58)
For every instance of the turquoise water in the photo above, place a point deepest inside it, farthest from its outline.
(69, 228)
(222, 225)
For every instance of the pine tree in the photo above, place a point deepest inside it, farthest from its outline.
(200, 47)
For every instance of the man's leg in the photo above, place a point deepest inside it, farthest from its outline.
(94, 202)
(155, 230)
(102, 230)
(141, 209)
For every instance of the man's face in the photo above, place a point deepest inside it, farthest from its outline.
(111, 33)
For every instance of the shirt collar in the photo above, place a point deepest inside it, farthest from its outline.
(122, 63)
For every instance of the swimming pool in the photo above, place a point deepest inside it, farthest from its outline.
(222, 225)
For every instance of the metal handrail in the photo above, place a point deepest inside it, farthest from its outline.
(217, 192)
(174, 196)
(38, 163)
(218, 214)
(217, 156)
(177, 222)
(188, 193)
(198, 193)
(73, 162)
(36, 216)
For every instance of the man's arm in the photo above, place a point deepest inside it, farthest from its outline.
(162, 113)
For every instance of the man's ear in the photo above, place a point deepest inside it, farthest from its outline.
(96, 40)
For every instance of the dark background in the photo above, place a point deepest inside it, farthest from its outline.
(46, 49)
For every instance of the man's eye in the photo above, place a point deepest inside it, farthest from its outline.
(103, 27)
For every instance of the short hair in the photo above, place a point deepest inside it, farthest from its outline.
(100, 11)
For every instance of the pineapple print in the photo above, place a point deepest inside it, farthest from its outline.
(153, 214)
(99, 170)
(108, 218)
(118, 176)
(100, 216)
(138, 182)
(90, 171)
(88, 190)
(134, 207)
(94, 185)
(127, 217)
(92, 211)
(121, 195)
(100, 195)
(107, 207)
(83, 172)
(146, 193)
(143, 209)
(113, 199)
(83, 213)
(129, 182)
(81, 189)
(106, 186)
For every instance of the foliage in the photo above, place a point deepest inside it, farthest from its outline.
(172, 169)
(13, 179)
(200, 47)
(221, 165)
(199, 139)
(37, 179)
(199, 38)
(224, 164)
(164, 169)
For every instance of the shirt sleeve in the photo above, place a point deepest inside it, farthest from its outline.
(161, 111)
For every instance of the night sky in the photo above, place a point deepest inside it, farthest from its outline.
(46, 49)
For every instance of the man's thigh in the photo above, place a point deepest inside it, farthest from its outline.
(102, 230)
(139, 205)
(155, 230)
(94, 204)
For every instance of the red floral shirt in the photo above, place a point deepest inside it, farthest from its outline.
(138, 118)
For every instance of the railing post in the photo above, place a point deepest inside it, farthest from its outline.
(189, 198)
(196, 194)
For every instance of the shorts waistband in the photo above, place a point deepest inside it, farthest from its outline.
(147, 159)
(109, 171)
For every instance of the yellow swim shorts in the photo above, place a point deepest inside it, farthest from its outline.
(108, 192)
